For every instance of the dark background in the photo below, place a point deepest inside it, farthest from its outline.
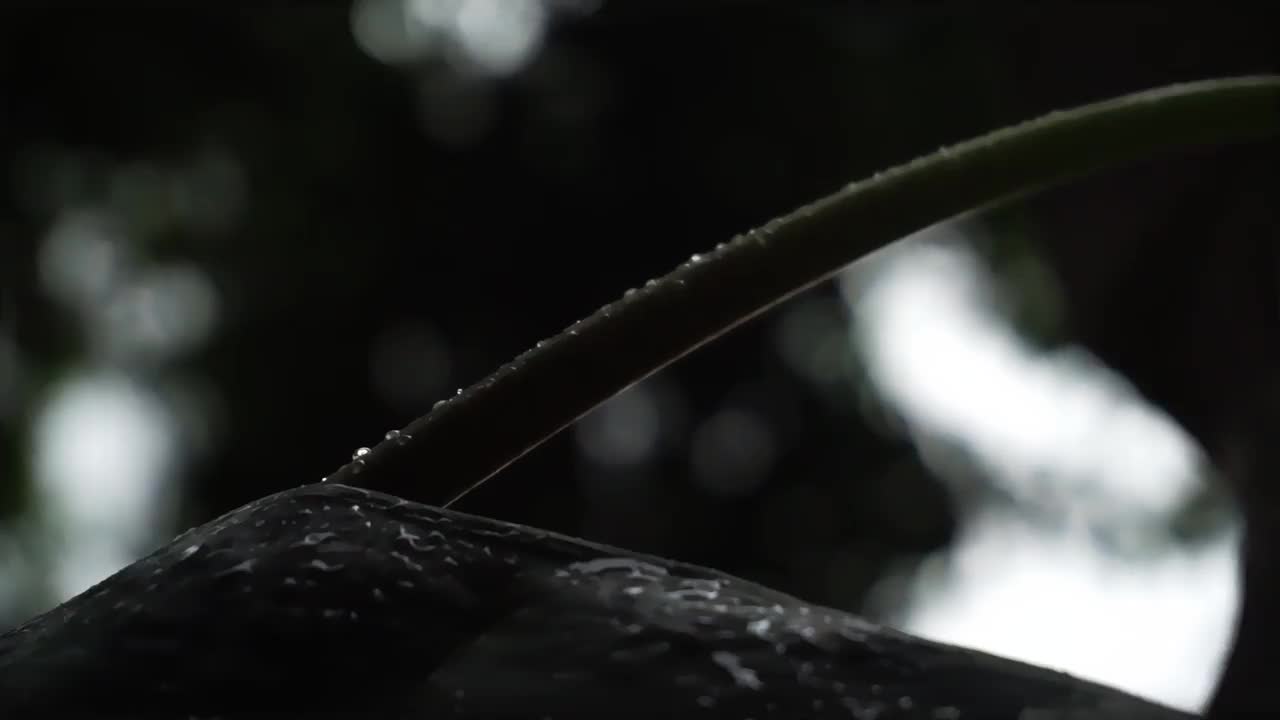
(377, 234)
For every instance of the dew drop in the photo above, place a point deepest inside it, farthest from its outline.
(695, 258)
(458, 392)
(359, 453)
(392, 435)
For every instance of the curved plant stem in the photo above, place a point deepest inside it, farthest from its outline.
(468, 438)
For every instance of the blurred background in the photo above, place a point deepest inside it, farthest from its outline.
(236, 245)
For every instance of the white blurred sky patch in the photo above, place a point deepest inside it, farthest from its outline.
(103, 450)
(950, 365)
(456, 49)
(1157, 627)
(489, 37)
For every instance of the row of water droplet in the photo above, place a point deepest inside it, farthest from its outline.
(358, 457)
